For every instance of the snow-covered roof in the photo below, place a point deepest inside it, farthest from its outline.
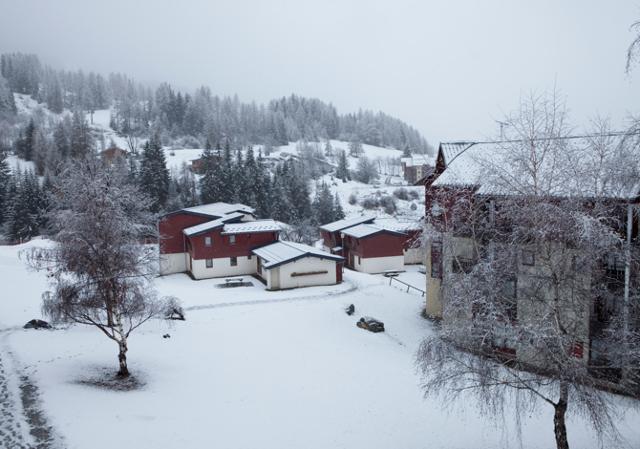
(213, 224)
(493, 168)
(218, 210)
(252, 226)
(281, 252)
(400, 226)
(418, 160)
(346, 223)
(367, 230)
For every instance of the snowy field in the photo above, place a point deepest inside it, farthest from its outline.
(248, 369)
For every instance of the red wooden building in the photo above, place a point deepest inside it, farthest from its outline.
(374, 245)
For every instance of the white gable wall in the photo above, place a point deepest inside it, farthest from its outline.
(281, 276)
(414, 255)
(173, 263)
(378, 264)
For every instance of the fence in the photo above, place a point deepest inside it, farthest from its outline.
(409, 286)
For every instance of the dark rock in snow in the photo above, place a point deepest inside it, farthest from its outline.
(370, 324)
(166, 336)
(350, 310)
(37, 324)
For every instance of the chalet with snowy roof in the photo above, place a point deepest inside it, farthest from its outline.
(195, 240)
(417, 167)
(284, 265)
(484, 177)
(332, 232)
(374, 245)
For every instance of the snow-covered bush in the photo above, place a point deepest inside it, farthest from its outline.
(388, 204)
(370, 203)
(173, 309)
(401, 194)
(353, 199)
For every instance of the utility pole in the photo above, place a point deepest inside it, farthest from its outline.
(502, 125)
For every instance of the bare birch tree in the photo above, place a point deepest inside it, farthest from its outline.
(99, 267)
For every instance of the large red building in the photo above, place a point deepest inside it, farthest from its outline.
(213, 240)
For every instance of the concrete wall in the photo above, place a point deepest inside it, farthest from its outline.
(414, 256)
(378, 264)
(173, 263)
(222, 267)
(281, 277)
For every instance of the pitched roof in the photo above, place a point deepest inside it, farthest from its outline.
(367, 230)
(219, 209)
(418, 160)
(400, 226)
(281, 252)
(251, 227)
(492, 168)
(213, 224)
(346, 223)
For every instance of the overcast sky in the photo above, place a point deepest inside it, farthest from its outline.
(449, 68)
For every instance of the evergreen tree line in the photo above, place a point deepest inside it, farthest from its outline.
(141, 111)
(23, 203)
(49, 145)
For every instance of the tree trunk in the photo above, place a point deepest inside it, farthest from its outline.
(122, 358)
(559, 425)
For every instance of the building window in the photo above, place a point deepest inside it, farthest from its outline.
(528, 257)
(359, 261)
(209, 263)
(234, 261)
(249, 256)
(462, 265)
(207, 241)
(436, 260)
(232, 239)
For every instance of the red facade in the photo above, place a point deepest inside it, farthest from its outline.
(170, 229)
(332, 240)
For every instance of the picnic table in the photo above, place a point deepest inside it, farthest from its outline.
(233, 281)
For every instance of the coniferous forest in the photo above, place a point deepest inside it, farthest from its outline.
(163, 116)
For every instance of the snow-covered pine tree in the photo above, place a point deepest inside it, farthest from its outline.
(338, 212)
(239, 181)
(342, 172)
(80, 141)
(262, 189)
(323, 205)
(154, 175)
(24, 143)
(211, 180)
(5, 180)
(27, 209)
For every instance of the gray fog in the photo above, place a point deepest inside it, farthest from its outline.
(449, 68)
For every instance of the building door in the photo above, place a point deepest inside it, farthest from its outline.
(339, 267)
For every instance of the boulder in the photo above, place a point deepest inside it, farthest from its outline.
(37, 324)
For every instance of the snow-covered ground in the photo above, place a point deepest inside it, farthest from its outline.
(251, 368)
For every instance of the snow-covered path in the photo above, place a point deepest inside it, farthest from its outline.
(23, 423)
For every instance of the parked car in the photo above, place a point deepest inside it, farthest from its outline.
(370, 324)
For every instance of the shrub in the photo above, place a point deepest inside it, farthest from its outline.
(370, 203)
(401, 194)
(353, 200)
(388, 204)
